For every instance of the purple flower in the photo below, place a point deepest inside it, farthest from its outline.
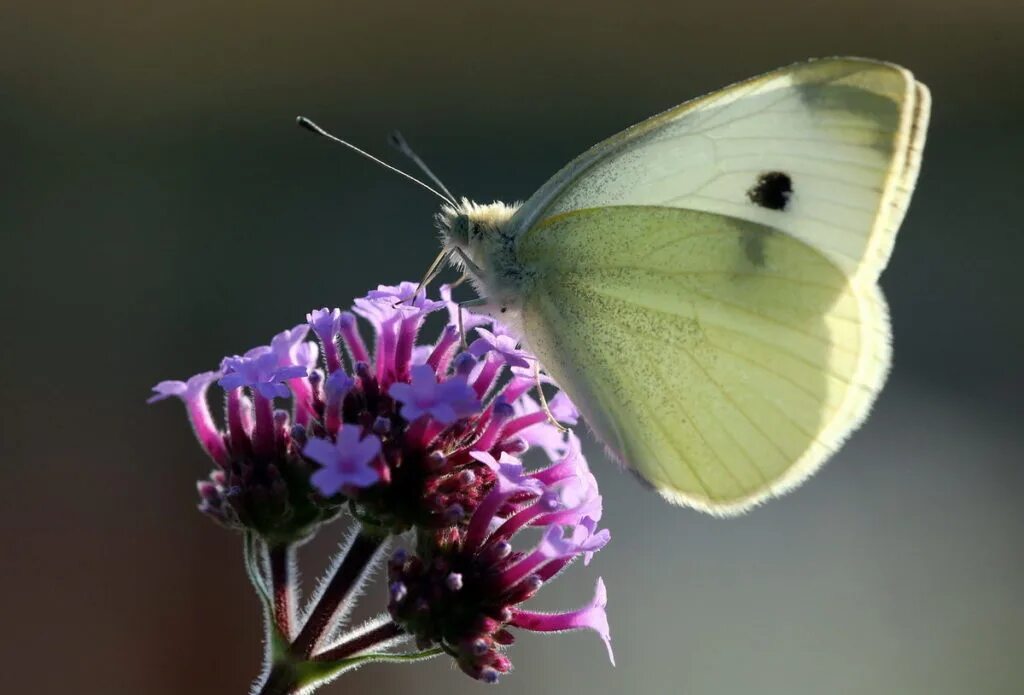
(582, 534)
(470, 320)
(591, 617)
(389, 302)
(533, 425)
(564, 409)
(574, 485)
(325, 323)
(505, 346)
(262, 373)
(445, 402)
(187, 391)
(345, 462)
(405, 298)
(193, 395)
(337, 385)
(509, 473)
(292, 348)
(556, 545)
(468, 595)
(445, 427)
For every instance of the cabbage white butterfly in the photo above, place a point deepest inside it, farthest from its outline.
(704, 285)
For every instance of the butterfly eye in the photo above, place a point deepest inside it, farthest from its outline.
(460, 230)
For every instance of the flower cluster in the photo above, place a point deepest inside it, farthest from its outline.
(413, 435)
(464, 589)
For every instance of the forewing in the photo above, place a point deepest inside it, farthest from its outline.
(720, 359)
(827, 151)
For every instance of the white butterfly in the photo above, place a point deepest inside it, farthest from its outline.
(704, 284)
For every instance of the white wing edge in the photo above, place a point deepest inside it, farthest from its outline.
(900, 180)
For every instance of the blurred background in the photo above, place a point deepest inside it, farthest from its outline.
(160, 209)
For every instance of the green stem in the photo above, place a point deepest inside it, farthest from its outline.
(315, 672)
(282, 680)
(253, 568)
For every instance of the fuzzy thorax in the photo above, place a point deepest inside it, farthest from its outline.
(481, 245)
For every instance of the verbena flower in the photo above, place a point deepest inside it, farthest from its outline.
(410, 434)
(463, 590)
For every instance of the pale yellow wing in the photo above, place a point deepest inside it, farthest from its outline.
(827, 151)
(719, 358)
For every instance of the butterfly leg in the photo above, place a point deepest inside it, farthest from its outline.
(480, 301)
(544, 401)
(458, 282)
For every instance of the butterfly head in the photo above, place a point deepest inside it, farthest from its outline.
(473, 230)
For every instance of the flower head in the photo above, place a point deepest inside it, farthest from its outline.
(396, 429)
(466, 593)
(411, 435)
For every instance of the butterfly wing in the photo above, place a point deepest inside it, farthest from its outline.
(704, 284)
(719, 358)
(826, 150)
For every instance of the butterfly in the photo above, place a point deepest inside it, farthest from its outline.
(704, 285)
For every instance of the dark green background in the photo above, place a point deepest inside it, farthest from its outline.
(160, 210)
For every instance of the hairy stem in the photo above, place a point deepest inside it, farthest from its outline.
(347, 576)
(360, 643)
(280, 681)
(283, 588)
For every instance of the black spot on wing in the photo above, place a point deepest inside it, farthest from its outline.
(772, 190)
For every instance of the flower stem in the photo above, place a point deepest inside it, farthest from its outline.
(283, 587)
(280, 681)
(347, 576)
(360, 643)
(252, 567)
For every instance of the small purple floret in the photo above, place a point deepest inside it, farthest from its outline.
(470, 320)
(405, 299)
(504, 346)
(511, 478)
(592, 617)
(445, 402)
(261, 373)
(325, 323)
(193, 395)
(346, 462)
(291, 347)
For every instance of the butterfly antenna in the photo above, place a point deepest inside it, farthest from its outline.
(402, 145)
(314, 128)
